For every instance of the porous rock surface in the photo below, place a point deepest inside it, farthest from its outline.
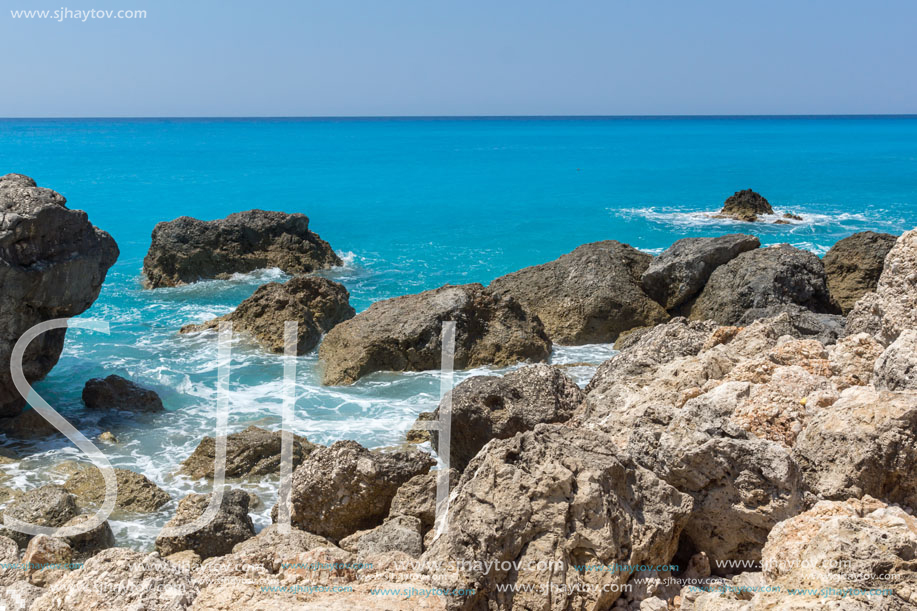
(230, 525)
(249, 453)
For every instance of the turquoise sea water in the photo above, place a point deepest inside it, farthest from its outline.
(410, 204)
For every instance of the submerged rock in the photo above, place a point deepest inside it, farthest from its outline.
(230, 525)
(316, 304)
(187, 250)
(52, 265)
(854, 264)
(249, 453)
(746, 206)
(404, 334)
(587, 296)
(680, 272)
(115, 392)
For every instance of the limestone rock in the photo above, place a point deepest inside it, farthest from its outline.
(230, 525)
(19, 596)
(896, 368)
(401, 533)
(47, 559)
(854, 264)
(135, 491)
(417, 498)
(115, 392)
(91, 542)
(48, 505)
(249, 453)
(746, 205)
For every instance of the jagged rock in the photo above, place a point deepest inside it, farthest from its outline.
(400, 533)
(681, 271)
(91, 542)
(230, 525)
(553, 495)
(344, 488)
(48, 505)
(587, 296)
(249, 453)
(893, 307)
(47, 559)
(489, 407)
(316, 304)
(746, 206)
(104, 584)
(187, 250)
(135, 491)
(52, 265)
(115, 392)
(404, 334)
(19, 596)
(896, 368)
(270, 548)
(763, 282)
(854, 264)
(417, 498)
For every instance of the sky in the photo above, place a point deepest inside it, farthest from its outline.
(475, 57)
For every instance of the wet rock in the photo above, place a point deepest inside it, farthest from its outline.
(490, 407)
(854, 264)
(103, 584)
(249, 453)
(762, 283)
(554, 495)
(404, 334)
(230, 525)
(316, 304)
(681, 271)
(401, 533)
(136, 492)
(48, 505)
(746, 206)
(893, 306)
(115, 392)
(187, 250)
(589, 295)
(896, 368)
(344, 488)
(52, 265)
(108, 437)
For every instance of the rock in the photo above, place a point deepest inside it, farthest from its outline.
(681, 271)
(316, 304)
(896, 368)
(9, 558)
(489, 407)
(416, 434)
(136, 492)
(344, 488)
(746, 206)
(854, 264)
(47, 559)
(765, 280)
(401, 533)
(791, 216)
(115, 392)
(404, 334)
(853, 359)
(104, 584)
(28, 425)
(188, 560)
(230, 525)
(52, 265)
(417, 498)
(187, 250)
(250, 453)
(559, 497)
(893, 307)
(48, 505)
(89, 543)
(19, 596)
(108, 437)
(587, 296)
(270, 548)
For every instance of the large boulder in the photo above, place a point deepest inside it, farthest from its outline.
(682, 270)
(896, 368)
(893, 306)
(762, 283)
(536, 506)
(417, 498)
(489, 407)
(230, 525)
(115, 392)
(316, 304)
(253, 452)
(48, 505)
(52, 265)
(854, 264)
(746, 205)
(404, 334)
(587, 296)
(136, 493)
(344, 488)
(187, 250)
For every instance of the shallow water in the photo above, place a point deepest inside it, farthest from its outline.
(410, 205)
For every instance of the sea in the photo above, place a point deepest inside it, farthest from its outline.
(409, 204)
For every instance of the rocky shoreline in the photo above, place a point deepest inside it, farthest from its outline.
(752, 445)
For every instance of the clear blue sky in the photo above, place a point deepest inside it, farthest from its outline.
(470, 57)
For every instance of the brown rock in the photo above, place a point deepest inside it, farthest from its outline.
(249, 453)
(115, 392)
(746, 206)
(230, 525)
(854, 264)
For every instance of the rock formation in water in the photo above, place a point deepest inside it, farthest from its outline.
(746, 206)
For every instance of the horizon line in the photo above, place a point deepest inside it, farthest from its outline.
(483, 116)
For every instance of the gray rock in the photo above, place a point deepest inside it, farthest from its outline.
(231, 525)
(19, 596)
(250, 453)
(316, 304)
(48, 505)
(52, 265)
(764, 281)
(681, 271)
(746, 206)
(187, 250)
(896, 368)
(589, 295)
(344, 488)
(404, 334)
(115, 392)
(417, 498)
(398, 534)
(854, 264)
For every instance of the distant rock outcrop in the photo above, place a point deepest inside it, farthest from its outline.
(854, 265)
(746, 206)
(187, 250)
(52, 265)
